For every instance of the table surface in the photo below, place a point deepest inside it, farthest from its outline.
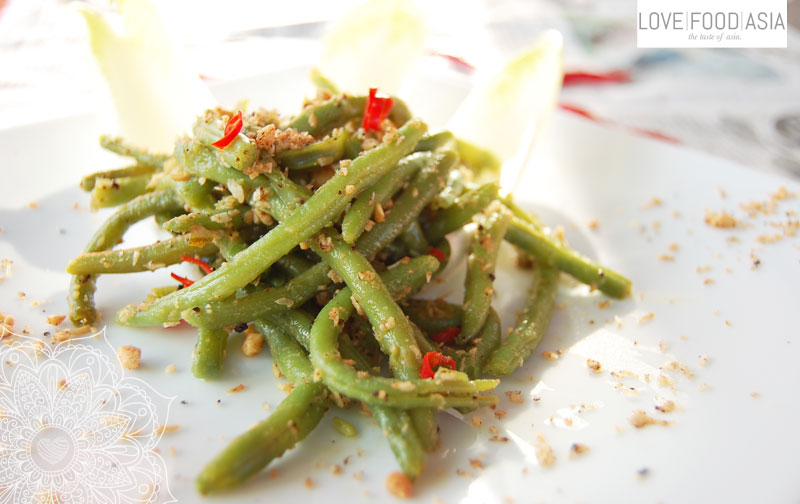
(740, 104)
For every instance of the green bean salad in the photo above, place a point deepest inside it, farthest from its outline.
(313, 234)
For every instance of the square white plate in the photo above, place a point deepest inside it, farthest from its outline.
(731, 438)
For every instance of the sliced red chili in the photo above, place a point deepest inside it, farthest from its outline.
(232, 129)
(446, 336)
(438, 254)
(376, 110)
(432, 361)
(185, 281)
(459, 62)
(613, 77)
(578, 110)
(199, 262)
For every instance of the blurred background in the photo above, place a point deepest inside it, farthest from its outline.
(743, 105)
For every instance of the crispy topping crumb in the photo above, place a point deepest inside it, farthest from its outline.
(237, 388)
(129, 356)
(544, 453)
(166, 429)
(640, 420)
(664, 405)
(549, 355)
(253, 342)
(515, 396)
(55, 320)
(721, 220)
(399, 485)
(594, 366)
(577, 449)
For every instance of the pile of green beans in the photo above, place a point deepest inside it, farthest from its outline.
(318, 249)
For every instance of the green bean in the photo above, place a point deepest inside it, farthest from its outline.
(297, 324)
(487, 341)
(403, 439)
(260, 303)
(414, 239)
(518, 212)
(303, 287)
(392, 329)
(484, 165)
(292, 421)
(395, 424)
(322, 82)
(449, 219)
(350, 352)
(395, 338)
(544, 247)
(216, 219)
(146, 258)
(320, 153)
(442, 139)
(119, 146)
(339, 110)
(425, 345)
(352, 148)
(394, 251)
(88, 182)
(320, 210)
(209, 353)
(201, 161)
(375, 390)
(425, 185)
(114, 192)
(198, 196)
(456, 186)
(328, 114)
(344, 427)
(240, 154)
(433, 316)
(226, 471)
(82, 287)
(362, 208)
(531, 325)
(229, 245)
(198, 160)
(400, 113)
(481, 262)
(294, 264)
(288, 354)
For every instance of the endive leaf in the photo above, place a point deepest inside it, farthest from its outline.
(374, 45)
(154, 96)
(505, 112)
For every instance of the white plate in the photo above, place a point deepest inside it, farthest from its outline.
(734, 442)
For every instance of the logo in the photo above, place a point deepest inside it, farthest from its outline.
(73, 429)
(711, 23)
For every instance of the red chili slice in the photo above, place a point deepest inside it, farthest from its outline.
(376, 110)
(613, 77)
(232, 129)
(199, 262)
(438, 254)
(433, 360)
(185, 281)
(578, 110)
(447, 336)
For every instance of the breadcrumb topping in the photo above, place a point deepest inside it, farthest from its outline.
(129, 356)
(274, 140)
